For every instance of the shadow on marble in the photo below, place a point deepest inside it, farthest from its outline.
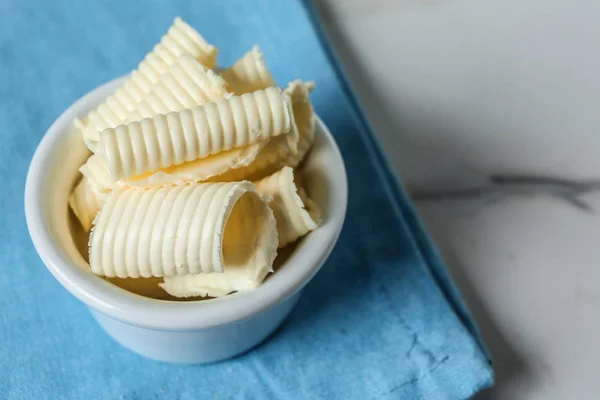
(508, 364)
(509, 367)
(423, 141)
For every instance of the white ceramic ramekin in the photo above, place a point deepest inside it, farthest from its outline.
(178, 332)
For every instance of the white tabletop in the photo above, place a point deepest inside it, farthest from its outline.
(490, 112)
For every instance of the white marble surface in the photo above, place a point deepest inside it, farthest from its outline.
(489, 111)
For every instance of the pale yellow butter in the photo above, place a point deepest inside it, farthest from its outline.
(279, 152)
(174, 123)
(177, 137)
(249, 73)
(85, 202)
(295, 213)
(187, 84)
(181, 230)
(180, 39)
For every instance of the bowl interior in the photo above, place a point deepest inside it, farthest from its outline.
(52, 175)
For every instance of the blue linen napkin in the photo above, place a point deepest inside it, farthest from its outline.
(382, 320)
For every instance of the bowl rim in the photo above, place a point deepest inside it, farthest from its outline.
(141, 311)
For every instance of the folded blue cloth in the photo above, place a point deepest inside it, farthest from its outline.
(380, 321)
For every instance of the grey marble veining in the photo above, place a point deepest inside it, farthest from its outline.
(568, 190)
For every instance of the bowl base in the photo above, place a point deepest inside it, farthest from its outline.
(202, 346)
